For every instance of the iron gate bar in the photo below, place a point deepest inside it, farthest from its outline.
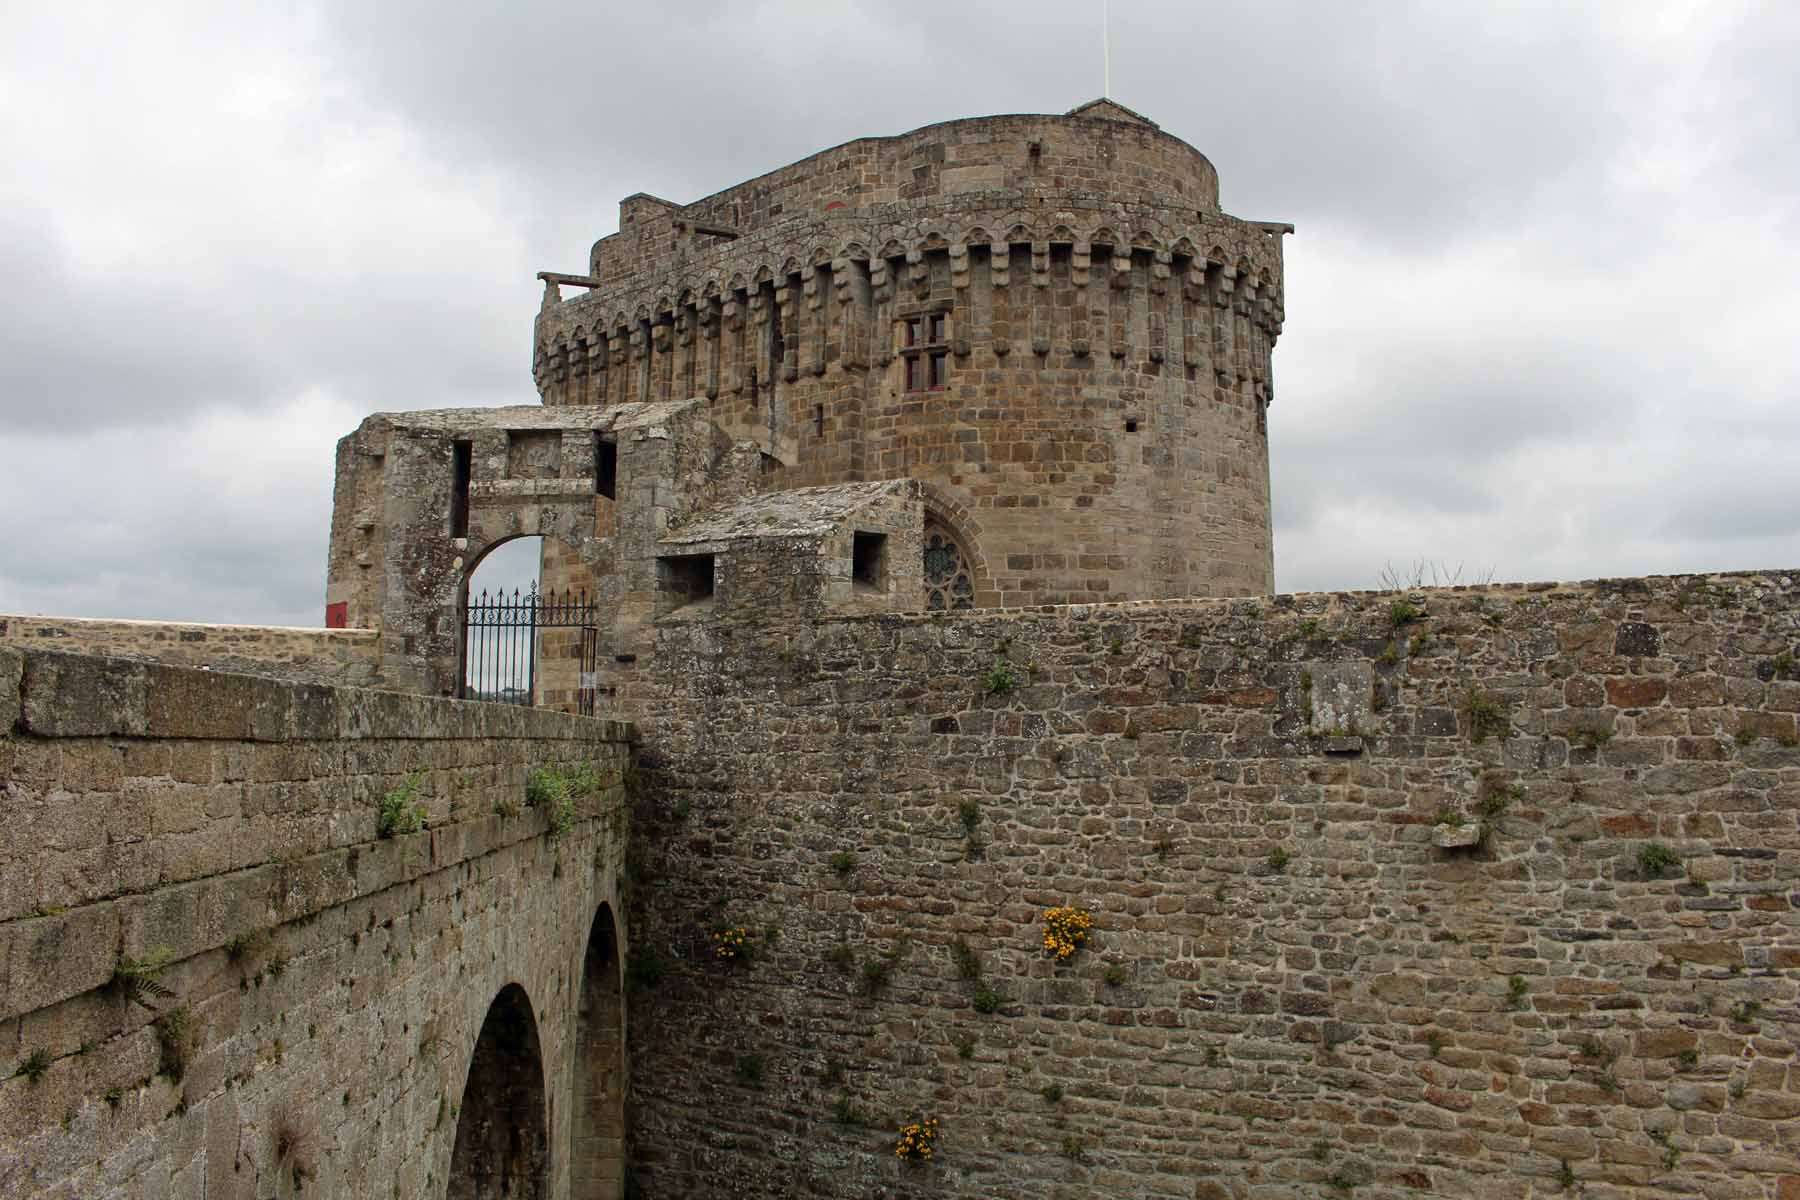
(500, 646)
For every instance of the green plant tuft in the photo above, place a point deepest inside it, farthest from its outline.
(175, 1041)
(1279, 858)
(968, 963)
(139, 979)
(240, 946)
(35, 1065)
(999, 679)
(968, 810)
(554, 792)
(400, 810)
(1486, 714)
(644, 969)
(1654, 858)
(843, 862)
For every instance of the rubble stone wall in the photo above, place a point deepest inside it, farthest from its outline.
(1473, 892)
(310, 992)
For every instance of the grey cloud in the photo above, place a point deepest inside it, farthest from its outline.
(1540, 305)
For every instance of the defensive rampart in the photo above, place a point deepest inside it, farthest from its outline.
(1475, 892)
(217, 977)
(346, 657)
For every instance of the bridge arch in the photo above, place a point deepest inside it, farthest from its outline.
(597, 1145)
(502, 1144)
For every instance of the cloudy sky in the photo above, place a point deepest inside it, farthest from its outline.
(1543, 302)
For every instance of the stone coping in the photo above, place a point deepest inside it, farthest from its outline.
(1781, 578)
(8, 621)
(54, 693)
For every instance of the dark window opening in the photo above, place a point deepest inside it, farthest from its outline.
(777, 344)
(462, 463)
(868, 560)
(1131, 425)
(686, 578)
(606, 467)
(819, 419)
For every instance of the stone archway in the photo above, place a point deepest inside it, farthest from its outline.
(502, 1132)
(597, 1146)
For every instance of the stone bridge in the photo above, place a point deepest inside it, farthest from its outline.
(218, 978)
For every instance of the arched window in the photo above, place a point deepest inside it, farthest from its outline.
(949, 583)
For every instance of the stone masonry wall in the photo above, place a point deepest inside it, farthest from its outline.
(330, 983)
(346, 657)
(1292, 990)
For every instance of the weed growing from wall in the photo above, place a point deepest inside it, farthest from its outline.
(1653, 858)
(36, 1064)
(139, 979)
(400, 811)
(1486, 714)
(176, 1037)
(917, 1141)
(1066, 930)
(734, 943)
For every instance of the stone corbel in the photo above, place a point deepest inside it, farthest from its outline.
(1000, 263)
(1121, 269)
(918, 272)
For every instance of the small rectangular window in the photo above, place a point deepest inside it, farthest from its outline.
(925, 352)
(462, 464)
(939, 373)
(606, 467)
(686, 578)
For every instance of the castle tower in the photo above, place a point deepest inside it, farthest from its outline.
(1046, 319)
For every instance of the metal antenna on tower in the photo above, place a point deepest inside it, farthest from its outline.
(1106, 48)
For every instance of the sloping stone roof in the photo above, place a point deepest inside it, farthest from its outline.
(802, 512)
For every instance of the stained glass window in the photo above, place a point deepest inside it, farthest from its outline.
(948, 581)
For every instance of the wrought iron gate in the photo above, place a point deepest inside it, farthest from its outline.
(506, 636)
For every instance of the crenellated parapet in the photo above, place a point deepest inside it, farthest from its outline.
(593, 347)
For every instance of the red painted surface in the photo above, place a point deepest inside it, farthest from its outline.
(337, 616)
